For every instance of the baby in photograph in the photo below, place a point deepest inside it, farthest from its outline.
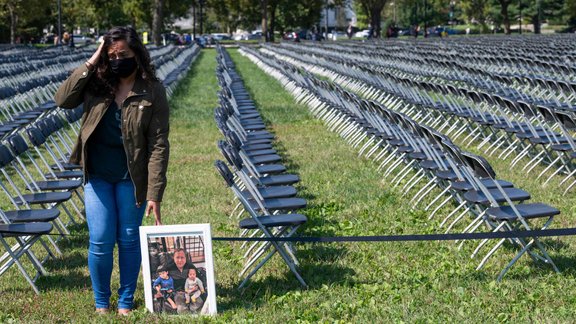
(193, 287)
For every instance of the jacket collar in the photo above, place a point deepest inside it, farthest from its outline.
(140, 88)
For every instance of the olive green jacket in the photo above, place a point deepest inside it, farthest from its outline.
(145, 129)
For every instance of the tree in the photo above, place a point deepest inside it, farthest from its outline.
(373, 9)
(157, 21)
(505, 17)
(476, 11)
(24, 23)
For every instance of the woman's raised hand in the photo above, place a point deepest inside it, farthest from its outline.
(96, 56)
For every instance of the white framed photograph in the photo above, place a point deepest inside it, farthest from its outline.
(178, 269)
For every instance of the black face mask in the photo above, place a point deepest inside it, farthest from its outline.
(123, 67)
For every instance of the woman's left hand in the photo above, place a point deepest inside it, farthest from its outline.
(154, 207)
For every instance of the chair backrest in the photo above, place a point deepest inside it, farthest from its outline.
(547, 113)
(18, 144)
(224, 172)
(6, 157)
(35, 136)
(480, 165)
(566, 119)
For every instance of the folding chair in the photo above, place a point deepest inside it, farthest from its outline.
(271, 226)
(20, 148)
(25, 235)
(47, 200)
(506, 215)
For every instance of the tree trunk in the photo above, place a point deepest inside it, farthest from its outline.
(264, 9)
(13, 22)
(272, 20)
(376, 20)
(157, 19)
(536, 23)
(505, 17)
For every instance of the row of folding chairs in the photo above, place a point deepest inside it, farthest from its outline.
(255, 174)
(21, 107)
(41, 193)
(402, 147)
(175, 65)
(540, 132)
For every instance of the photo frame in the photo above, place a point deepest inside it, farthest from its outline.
(178, 269)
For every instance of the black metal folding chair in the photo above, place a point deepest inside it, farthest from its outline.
(270, 226)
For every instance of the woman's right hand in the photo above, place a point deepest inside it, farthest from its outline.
(96, 56)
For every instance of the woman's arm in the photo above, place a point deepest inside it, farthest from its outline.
(159, 151)
(70, 94)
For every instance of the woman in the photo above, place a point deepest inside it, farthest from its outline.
(123, 148)
(179, 272)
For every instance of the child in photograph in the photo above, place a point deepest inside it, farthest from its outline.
(193, 287)
(164, 286)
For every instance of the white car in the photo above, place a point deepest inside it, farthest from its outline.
(363, 33)
(81, 40)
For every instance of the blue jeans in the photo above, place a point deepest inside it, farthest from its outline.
(112, 217)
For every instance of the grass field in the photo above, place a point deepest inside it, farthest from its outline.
(350, 282)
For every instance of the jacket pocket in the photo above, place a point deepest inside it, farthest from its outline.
(142, 111)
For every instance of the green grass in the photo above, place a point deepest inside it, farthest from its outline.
(349, 282)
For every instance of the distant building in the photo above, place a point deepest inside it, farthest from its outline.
(338, 16)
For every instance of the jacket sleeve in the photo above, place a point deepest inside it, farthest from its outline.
(70, 94)
(158, 145)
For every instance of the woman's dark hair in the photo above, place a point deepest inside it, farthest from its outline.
(105, 81)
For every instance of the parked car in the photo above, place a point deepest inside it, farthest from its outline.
(82, 40)
(363, 33)
(256, 36)
(220, 36)
(291, 36)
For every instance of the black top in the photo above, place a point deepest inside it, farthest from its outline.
(106, 154)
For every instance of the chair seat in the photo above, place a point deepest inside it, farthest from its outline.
(254, 127)
(275, 192)
(279, 180)
(283, 204)
(562, 147)
(514, 194)
(259, 135)
(429, 165)
(274, 221)
(446, 175)
(270, 168)
(67, 166)
(417, 156)
(69, 174)
(263, 159)
(255, 147)
(44, 198)
(32, 215)
(488, 183)
(254, 153)
(59, 185)
(255, 140)
(8, 230)
(535, 210)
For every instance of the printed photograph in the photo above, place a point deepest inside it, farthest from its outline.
(178, 269)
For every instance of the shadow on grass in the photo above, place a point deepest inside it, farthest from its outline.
(72, 260)
(77, 238)
(71, 280)
(535, 268)
(258, 293)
